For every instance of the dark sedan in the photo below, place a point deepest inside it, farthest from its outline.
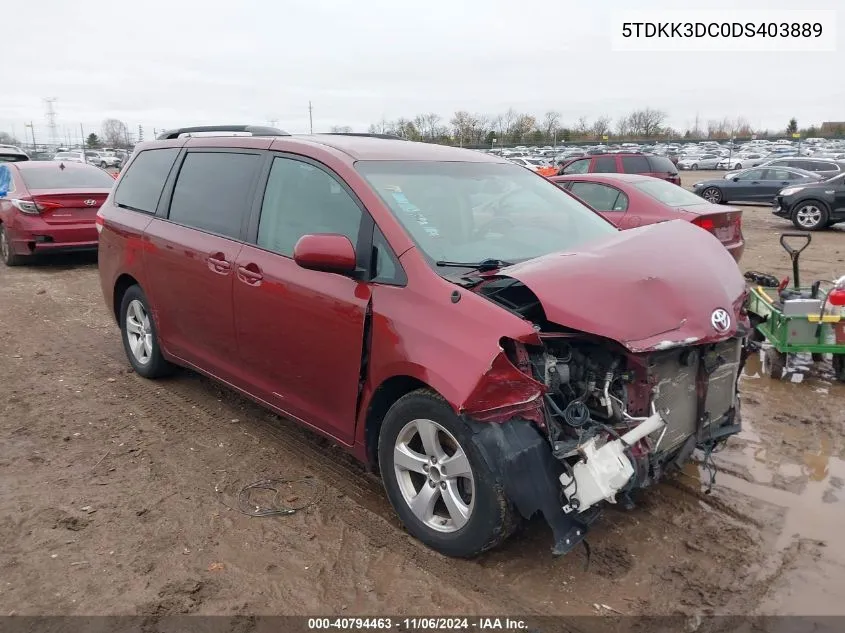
(631, 200)
(758, 184)
(813, 206)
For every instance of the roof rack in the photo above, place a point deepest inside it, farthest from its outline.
(247, 130)
(392, 137)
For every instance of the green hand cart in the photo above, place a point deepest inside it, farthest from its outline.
(797, 319)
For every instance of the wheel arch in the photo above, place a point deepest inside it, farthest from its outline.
(123, 283)
(384, 396)
(804, 201)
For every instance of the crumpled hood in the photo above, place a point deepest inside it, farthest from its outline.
(649, 288)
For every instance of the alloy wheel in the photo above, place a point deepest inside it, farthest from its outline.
(434, 475)
(139, 332)
(712, 195)
(809, 216)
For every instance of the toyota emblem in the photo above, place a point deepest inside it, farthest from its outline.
(90, 203)
(720, 320)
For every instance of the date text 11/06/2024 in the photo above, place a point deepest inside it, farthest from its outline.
(481, 624)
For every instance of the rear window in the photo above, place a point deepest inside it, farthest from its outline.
(140, 187)
(662, 165)
(635, 165)
(669, 194)
(54, 177)
(212, 191)
(12, 157)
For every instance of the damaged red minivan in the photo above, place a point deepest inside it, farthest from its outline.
(492, 347)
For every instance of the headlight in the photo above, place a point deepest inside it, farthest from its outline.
(790, 190)
(697, 185)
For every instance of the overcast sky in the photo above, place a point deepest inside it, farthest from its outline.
(180, 62)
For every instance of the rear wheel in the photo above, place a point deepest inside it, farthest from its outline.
(839, 367)
(9, 257)
(103, 165)
(441, 488)
(738, 166)
(694, 166)
(713, 195)
(140, 338)
(810, 216)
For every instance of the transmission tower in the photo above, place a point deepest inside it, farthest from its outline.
(51, 119)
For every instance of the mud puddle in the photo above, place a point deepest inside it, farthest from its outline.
(785, 473)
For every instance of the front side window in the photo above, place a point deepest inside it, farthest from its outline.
(751, 174)
(467, 212)
(301, 199)
(577, 167)
(601, 197)
(212, 192)
(141, 186)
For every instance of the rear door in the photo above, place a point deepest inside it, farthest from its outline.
(610, 202)
(605, 165)
(774, 180)
(301, 332)
(190, 261)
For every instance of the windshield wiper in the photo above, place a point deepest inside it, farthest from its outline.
(482, 266)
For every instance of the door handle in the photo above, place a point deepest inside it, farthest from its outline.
(217, 263)
(250, 274)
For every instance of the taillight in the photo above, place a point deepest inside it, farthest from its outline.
(705, 223)
(99, 221)
(31, 207)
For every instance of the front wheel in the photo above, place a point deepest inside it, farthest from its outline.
(738, 166)
(140, 337)
(103, 165)
(713, 195)
(810, 216)
(694, 166)
(439, 485)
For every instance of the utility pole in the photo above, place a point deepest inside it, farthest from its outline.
(32, 129)
(310, 117)
(51, 118)
(140, 133)
(81, 131)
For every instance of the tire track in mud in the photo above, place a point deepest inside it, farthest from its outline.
(181, 406)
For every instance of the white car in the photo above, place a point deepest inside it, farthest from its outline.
(102, 159)
(740, 161)
(534, 164)
(702, 161)
(12, 154)
(70, 157)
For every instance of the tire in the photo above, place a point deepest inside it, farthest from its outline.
(810, 215)
(135, 313)
(839, 367)
(738, 166)
(485, 517)
(713, 195)
(103, 165)
(9, 257)
(774, 363)
(694, 166)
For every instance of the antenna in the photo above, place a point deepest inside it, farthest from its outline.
(273, 122)
(51, 118)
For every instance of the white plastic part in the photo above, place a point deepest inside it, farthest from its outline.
(606, 470)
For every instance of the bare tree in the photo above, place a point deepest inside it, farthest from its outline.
(601, 126)
(509, 118)
(340, 129)
(522, 126)
(551, 123)
(582, 127)
(646, 123)
(462, 124)
(115, 133)
(623, 126)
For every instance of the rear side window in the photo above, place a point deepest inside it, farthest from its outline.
(662, 165)
(605, 165)
(636, 164)
(601, 197)
(212, 192)
(140, 187)
(822, 166)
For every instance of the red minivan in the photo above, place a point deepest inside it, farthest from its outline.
(487, 343)
(623, 163)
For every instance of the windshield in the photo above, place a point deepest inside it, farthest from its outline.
(466, 212)
(669, 194)
(53, 177)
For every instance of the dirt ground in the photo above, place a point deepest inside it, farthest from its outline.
(117, 493)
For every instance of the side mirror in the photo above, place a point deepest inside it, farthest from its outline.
(328, 252)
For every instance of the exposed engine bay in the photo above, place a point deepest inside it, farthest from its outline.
(616, 420)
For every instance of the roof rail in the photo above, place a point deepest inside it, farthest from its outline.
(392, 137)
(252, 130)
